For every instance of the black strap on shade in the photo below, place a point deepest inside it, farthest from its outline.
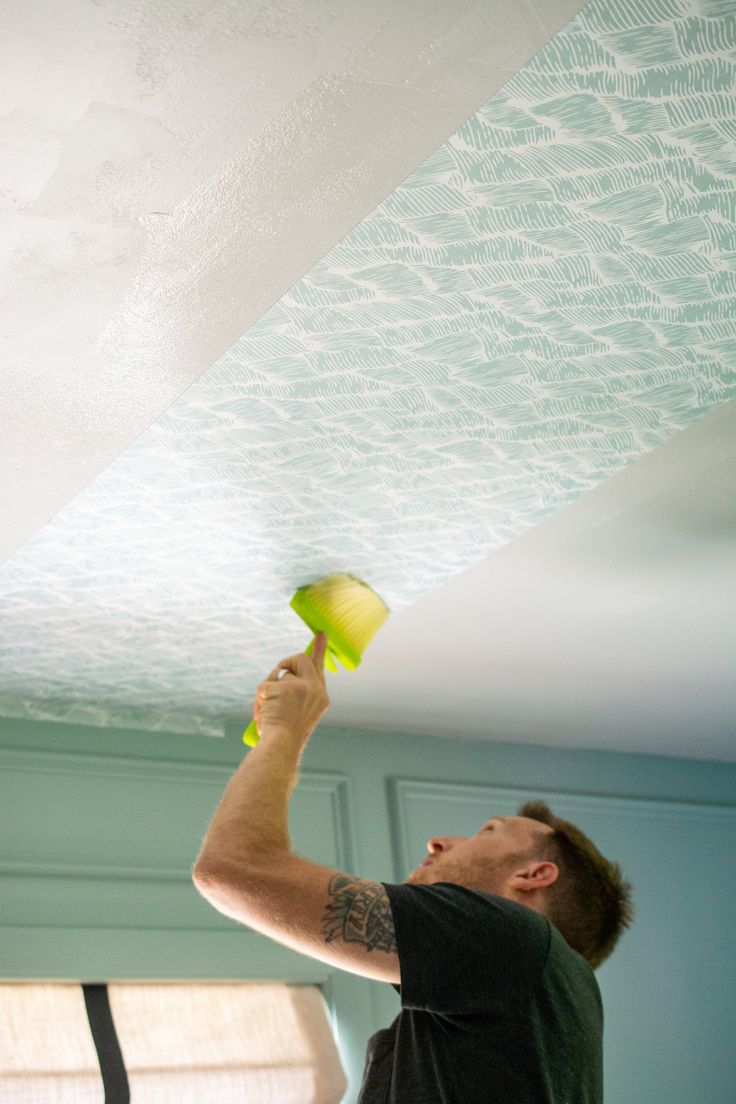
(112, 1067)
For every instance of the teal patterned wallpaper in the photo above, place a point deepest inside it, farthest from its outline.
(545, 299)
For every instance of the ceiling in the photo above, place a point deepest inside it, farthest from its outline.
(265, 320)
(170, 169)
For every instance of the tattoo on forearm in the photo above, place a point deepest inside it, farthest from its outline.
(359, 912)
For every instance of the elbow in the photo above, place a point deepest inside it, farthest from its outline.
(220, 889)
(211, 863)
(199, 878)
(205, 876)
(213, 885)
(213, 877)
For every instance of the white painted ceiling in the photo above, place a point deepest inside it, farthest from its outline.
(171, 171)
(612, 624)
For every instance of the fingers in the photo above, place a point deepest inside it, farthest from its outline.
(296, 663)
(320, 648)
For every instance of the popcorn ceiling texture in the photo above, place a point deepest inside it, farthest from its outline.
(545, 299)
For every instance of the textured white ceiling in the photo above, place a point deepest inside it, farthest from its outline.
(510, 328)
(611, 624)
(170, 169)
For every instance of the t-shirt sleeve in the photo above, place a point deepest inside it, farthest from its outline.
(463, 952)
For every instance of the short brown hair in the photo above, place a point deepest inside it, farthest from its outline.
(589, 903)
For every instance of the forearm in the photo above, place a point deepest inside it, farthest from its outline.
(251, 823)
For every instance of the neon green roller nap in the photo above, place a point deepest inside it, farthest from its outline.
(345, 608)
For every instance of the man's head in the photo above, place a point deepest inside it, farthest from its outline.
(544, 862)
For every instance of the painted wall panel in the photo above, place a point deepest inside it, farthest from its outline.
(93, 953)
(374, 801)
(122, 807)
(98, 851)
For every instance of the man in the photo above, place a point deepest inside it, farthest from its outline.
(491, 942)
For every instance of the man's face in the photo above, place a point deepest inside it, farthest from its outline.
(483, 861)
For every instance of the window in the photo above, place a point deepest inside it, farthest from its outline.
(181, 1043)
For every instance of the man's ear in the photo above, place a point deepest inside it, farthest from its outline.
(536, 875)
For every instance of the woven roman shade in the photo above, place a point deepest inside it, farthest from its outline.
(182, 1043)
(46, 1048)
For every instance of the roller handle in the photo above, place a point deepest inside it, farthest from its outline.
(252, 736)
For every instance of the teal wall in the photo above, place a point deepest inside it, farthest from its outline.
(99, 829)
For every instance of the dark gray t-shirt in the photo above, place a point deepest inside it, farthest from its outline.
(496, 1008)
